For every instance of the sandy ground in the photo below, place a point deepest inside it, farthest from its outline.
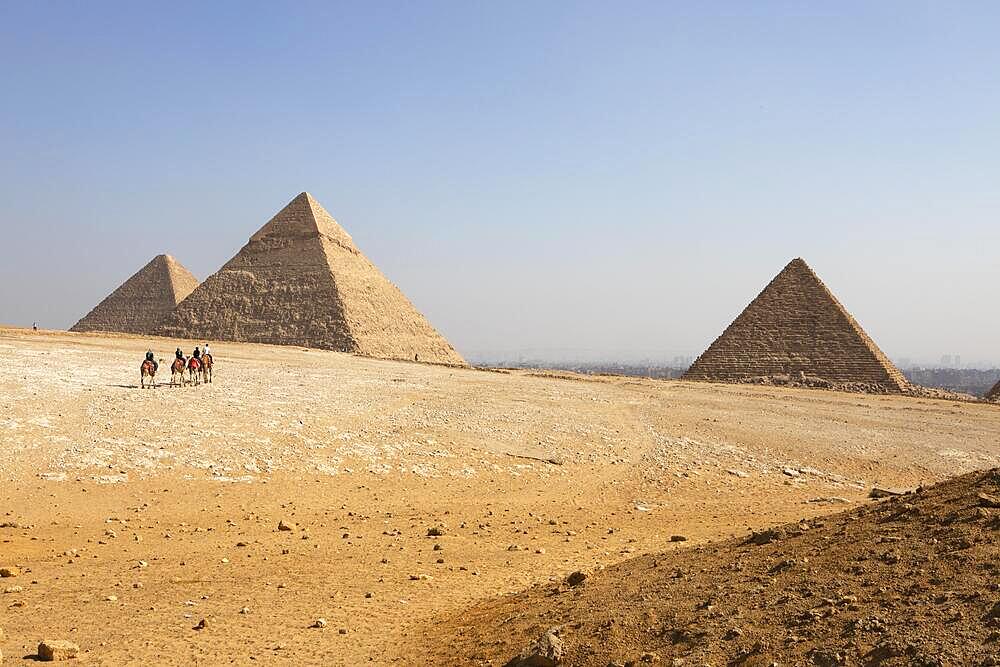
(138, 513)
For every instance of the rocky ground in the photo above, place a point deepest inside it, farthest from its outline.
(412, 492)
(909, 580)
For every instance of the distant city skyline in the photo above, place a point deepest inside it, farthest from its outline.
(616, 179)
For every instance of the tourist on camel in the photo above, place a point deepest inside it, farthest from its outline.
(149, 357)
(197, 353)
(178, 353)
(205, 350)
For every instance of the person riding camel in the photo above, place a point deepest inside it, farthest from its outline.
(178, 353)
(205, 350)
(197, 353)
(149, 357)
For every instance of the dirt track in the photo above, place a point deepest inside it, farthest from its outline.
(366, 456)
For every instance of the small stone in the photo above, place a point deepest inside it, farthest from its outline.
(284, 526)
(13, 589)
(986, 500)
(435, 531)
(369, 595)
(245, 610)
(438, 547)
(320, 623)
(540, 551)
(51, 650)
(546, 651)
(791, 472)
(111, 598)
(202, 624)
(678, 538)
(10, 571)
(342, 631)
(649, 657)
(576, 578)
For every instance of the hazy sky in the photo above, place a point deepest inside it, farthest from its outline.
(608, 179)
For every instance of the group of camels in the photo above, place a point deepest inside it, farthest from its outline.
(199, 369)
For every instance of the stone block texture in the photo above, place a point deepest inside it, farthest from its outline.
(797, 327)
(139, 305)
(300, 280)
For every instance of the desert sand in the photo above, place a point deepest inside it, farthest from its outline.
(132, 515)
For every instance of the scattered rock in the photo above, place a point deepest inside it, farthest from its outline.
(986, 500)
(886, 492)
(765, 536)
(285, 526)
(202, 624)
(738, 473)
(791, 472)
(320, 623)
(546, 651)
(678, 538)
(10, 571)
(435, 531)
(576, 578)
(51, 650)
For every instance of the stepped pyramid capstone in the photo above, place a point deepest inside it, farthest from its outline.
(994, 393)
(142, 301)
(796, 326)
(300, 280)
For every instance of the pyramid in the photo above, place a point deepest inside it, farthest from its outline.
(300, 280)
(796, 326)
(994, 393)
(143, 300)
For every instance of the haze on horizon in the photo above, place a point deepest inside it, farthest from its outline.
(606, 181)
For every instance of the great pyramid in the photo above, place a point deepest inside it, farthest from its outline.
(300, 280)
(797, 327)
(142, 301)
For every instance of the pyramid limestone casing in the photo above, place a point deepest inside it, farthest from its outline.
(139, 305)
(300, 280)
(795, 326)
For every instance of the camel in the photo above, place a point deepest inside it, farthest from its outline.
(177, 372)
(147, 370)
(206, 367)
(194, 370)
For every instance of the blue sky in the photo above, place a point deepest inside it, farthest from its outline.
(589, 179)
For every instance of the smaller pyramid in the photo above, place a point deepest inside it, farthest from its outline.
(797, 327)
(994, 393)
(142, 301)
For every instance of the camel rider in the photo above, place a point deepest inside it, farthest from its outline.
(149, 357)
(180, 355)
(205, 350)
(197, 353)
